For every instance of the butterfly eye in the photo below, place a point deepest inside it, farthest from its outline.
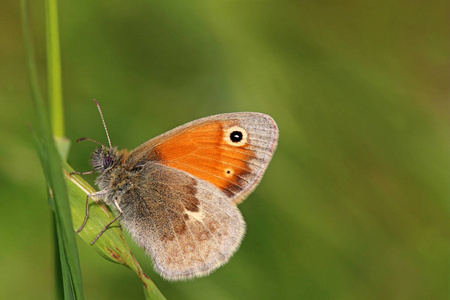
(107, 161)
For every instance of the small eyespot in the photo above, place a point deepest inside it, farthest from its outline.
(229, 172)
(213, 226)
(202, 236)
(188, 248)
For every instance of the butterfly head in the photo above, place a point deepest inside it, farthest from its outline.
(104, 158)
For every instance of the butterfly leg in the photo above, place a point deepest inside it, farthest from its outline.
(110, 223)
(87, 208)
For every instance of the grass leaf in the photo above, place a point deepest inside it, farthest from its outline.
(111, 245)
(52, 163)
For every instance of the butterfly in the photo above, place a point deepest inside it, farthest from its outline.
(177, 194)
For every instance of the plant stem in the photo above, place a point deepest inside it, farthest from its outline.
(54, 69)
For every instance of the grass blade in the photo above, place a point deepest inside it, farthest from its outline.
(51, 163)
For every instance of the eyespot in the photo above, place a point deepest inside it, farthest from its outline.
(236, 136)
(213, 226)
(202, 236)
(188, 248)
(229, 172)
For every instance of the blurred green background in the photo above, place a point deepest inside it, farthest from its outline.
(355, 202)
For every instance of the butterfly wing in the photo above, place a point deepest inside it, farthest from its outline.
(188, 226)
(230, 151)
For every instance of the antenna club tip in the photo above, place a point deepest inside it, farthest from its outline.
(96, 102)
(81, 139)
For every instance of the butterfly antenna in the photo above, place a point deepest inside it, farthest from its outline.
(88, 139)
(103, 120)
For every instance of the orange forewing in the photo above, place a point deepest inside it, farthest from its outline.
(203, 152)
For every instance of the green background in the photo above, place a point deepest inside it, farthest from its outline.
(355, 202)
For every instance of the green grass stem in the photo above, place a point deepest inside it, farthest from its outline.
(54, 69)
(52, 165)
